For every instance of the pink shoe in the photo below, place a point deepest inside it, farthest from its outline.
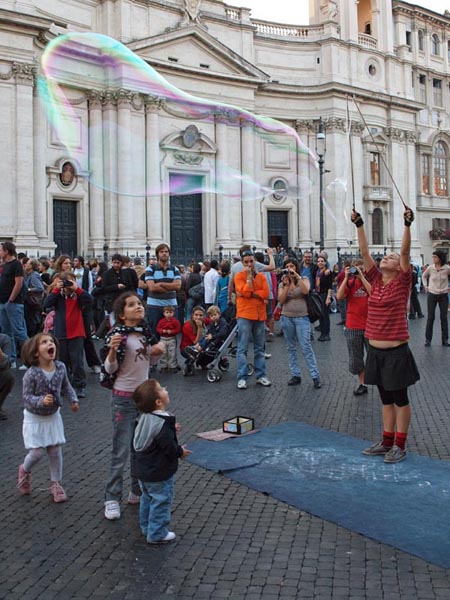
(24, 482)
(58, 493)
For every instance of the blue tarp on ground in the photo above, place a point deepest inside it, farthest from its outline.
(405, 505)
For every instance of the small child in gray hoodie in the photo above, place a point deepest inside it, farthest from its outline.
(157, 454)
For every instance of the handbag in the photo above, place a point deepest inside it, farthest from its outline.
(197, 292)
(315, 306)
(277, 312)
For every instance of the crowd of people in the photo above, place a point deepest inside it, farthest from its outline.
(53, 311)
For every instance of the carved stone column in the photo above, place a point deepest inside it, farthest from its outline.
(26, 238)
(251, 218)
(110, 167)
(305, 170)
(96, 183)
(40, 176)
(222, 198)
(154, 196)
(124, 171)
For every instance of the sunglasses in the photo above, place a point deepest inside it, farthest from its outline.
(247, 253)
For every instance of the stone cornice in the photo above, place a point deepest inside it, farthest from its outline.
(425, 13)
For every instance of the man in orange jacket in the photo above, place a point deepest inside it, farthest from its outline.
(252, 291)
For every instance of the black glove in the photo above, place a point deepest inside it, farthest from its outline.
(408, 217)
(357, 219)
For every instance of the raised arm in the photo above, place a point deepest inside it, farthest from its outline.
(362, 241)
(405, 249)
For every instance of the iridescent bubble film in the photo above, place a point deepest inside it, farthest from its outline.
(114, 77)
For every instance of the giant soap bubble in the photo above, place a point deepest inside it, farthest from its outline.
(112, 72)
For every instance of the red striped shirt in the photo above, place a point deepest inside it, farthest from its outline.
(387, 306)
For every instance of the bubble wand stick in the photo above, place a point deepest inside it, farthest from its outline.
(379, 152)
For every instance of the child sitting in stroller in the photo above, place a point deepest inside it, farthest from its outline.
(204, 350)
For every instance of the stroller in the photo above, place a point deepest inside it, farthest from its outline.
(216, 359)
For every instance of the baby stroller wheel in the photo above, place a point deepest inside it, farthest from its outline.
(213, 376)
(250, 369)
(224, 364)
(188, 371)
(233, 351)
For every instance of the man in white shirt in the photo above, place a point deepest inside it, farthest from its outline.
(82, 274)
(210, 281)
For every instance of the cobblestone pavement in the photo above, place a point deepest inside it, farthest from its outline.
(232, 542)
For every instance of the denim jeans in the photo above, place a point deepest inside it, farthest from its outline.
(298, 330)
(247, 328)
(325, 319)
(12, 322)
(432, 300)
(154, 509)
(71, 352)
(124, 416)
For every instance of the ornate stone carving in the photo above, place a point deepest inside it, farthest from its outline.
(329, 9)
(95, 98)
(24, 72)
(191, 11)
(335, 124)
(187, 159)
(304, 125)
(153, 103)
(123, 96)
(411, 137)
(394, 134)
(358, 127)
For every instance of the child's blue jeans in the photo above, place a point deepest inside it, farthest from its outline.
(154, 510)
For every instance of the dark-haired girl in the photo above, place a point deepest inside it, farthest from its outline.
(435, 281)
(130, 348)
(43, 431)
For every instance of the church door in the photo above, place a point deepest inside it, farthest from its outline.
(277, 226)
(186, 237)
(65, 227)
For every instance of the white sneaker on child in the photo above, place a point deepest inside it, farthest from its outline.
(169, 538)
(112, 510)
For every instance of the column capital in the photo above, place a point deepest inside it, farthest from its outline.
(153, 104)
(23, 73)
(95, 99)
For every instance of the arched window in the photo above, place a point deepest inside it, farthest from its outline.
(435, 45)
(440, 158)
(377, 227)
(420, 39)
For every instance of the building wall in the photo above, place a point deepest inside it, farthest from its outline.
(125, 140)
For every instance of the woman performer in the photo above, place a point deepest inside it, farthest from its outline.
(390, 364)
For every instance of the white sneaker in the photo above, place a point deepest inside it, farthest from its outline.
(112, 510)
(242, 384)
(96, 369)
(267, 355)
(13, 364)
(264, 381)
(23, 368)
(169, 538)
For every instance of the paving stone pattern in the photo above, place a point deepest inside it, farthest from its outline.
(232, 542)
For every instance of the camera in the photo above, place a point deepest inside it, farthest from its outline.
(353, 271)
(285, 272)
(67, 283)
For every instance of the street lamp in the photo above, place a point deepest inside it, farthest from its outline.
(321, 150)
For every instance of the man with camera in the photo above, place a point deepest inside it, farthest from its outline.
(356, 290)
(68, 301)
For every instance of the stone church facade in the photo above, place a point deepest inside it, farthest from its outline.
(391, 57)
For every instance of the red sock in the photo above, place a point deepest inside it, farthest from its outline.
(400, 440)
(388, 438)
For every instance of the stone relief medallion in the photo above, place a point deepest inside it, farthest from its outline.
(67, 174)
(191, 136)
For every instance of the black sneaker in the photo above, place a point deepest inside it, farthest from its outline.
(295, 380)
(446, 344)
(376, 449)
(360, 390)
(3, 415)
(81, 393)
(395, 455)
(427, 343)
(324, 338)
(317, 384)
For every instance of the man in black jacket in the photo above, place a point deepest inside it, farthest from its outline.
(116, 281)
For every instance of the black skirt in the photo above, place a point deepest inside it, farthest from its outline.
(392, 368)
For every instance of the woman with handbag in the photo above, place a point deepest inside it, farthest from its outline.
(295, 323)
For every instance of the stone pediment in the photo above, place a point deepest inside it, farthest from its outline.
(193, 48)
